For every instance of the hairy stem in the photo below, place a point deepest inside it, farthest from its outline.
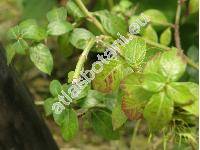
(91, 18)
(82, 60)
(176, 26)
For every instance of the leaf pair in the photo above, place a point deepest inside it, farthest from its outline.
(26, 30)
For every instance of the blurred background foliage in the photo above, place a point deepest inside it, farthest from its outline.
(65, 58)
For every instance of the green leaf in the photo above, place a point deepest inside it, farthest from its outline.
(55, 88)
(112, 23)
(59, 27)
(20, 46)
(169, 64)
(69, 127)
(30, 30)
(48, 105)
(14, 33)
(150, 34)
(42, 58)
(194, 107)
(180, 93)
(60, 118)
(135, 97)
(166, 37)
(193, 53)
(152, 65)
(92, 99)
(57, 14)
(156, 16)
(10, 53)
(153, 82)
(134, 52)
(172, 64)
(132, 19)
(193, 6)
(74, 10)
(36, 9)
(102, 124)
(65, 46)
(158, 112)
(80, 37)
(118, 116)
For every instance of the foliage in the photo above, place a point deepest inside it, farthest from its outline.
(147, 81)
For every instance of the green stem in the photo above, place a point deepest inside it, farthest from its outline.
(176, 27)
(82, 60)
(188, 60)
(134, 134)
(111, 4)
(91, 18)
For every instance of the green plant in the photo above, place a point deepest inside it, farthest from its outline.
(144, 83)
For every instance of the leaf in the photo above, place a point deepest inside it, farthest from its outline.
(10, 53)
(60, 118)
(193, 53)
(193, 6)
(153, 82)
(59, 27)
(150, 34)
(112, 23)
(69, 127)
(57, 14)
(135, 97)
(158, 112)
(108, 79)
(134, 52)
(166, 37)
(152, 66)
(42, 58)
(169, 64)
(48, 105)
(14, 33)
(20, 46)
(74, 10)
(156, 16)
(172, 64)
(102, 124)
(194, 107)
(80, 37)
(92, 99)
(37, 9)
(30, 30)
(118, 116)
(180, 93)
(55, 88)
(65, 47)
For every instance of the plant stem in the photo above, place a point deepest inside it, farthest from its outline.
(82, 60)
(39, 103)
(135, 133)
(188, 60)
(111, 4)
(91, 18)
(176, 26)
